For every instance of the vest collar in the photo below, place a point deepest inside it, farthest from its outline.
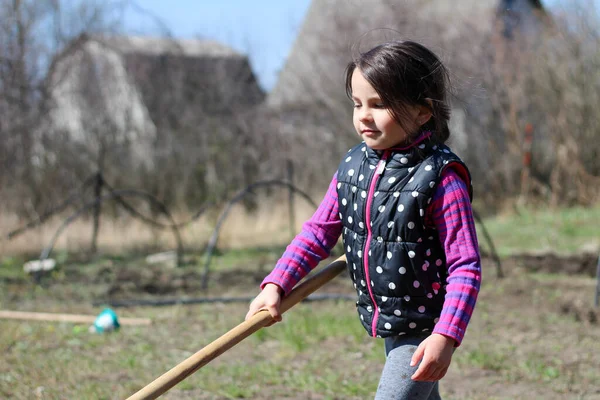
(409, 155)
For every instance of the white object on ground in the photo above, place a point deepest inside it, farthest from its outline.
(166, 257)
(39, 265)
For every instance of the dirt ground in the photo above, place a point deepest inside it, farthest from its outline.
(535, 333)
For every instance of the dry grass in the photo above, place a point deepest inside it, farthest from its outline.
(266, 225)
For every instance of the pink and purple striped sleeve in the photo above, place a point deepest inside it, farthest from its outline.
(318, 236)
(451, 213)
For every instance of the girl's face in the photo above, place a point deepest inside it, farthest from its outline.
(373, 121)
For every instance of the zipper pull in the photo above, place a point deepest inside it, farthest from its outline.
(380, 167)
(381, 164)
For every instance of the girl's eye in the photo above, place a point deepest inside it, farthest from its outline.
(356, 105)
(379, 105)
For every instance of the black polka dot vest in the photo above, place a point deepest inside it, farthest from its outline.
(396, 262)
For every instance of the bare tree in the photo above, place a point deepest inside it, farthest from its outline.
(31, 34)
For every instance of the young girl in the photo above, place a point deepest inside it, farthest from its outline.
(402, 202)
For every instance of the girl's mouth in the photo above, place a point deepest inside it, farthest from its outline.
(369, 132)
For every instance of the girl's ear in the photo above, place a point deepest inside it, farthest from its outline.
(424, 113)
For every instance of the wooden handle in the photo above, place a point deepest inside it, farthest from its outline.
(75, 318)
(259, 320)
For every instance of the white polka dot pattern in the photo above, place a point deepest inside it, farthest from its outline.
(397, 260)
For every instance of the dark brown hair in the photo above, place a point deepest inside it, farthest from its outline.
(406, 73)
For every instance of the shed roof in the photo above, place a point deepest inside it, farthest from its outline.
(164, 45)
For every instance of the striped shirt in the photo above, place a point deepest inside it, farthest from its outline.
(450, 213)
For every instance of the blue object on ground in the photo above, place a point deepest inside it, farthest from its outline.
(106, 321)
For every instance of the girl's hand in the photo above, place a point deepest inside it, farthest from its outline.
(435, 354)
(269, 299)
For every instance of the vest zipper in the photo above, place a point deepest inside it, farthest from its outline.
(378, 171)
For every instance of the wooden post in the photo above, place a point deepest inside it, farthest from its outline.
(97, 211)
(597, 297)
(292, 211)
(526, 168)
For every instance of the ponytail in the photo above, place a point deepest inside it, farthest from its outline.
(438, 124)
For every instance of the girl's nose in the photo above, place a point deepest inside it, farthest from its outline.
(364, 114)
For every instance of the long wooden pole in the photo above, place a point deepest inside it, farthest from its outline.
(597, 297)
(261, 319)
(75, 318)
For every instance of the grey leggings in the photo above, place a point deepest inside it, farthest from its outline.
(395, 382)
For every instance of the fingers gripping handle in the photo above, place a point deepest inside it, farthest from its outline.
(259, 320)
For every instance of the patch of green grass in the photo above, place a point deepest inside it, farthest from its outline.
(540, 369)
(562, 231)
(485, 356)
(11, 268)
(234, 258)
(305, 327)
